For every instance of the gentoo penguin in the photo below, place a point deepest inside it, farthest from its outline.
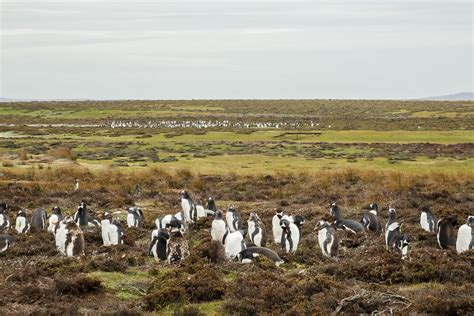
(401, 245)
(81, 217)
(137, 190)
(392, 217)
(159, 244)
(211, 205)
(218, 228)
(112, 231)
(21, 223)
(290, 236)
(54, 219)
(234, 243)
(233, 219)
(276, 228)
(201, 211)
(189, 210)
(75, 185)
(177, 246)
(39, 219)
(5, 242)
(465, 240)
(256, 231)
(394, 239)
(392, 228)
(69, 238)
(371, 221)
(345, 224)
(327, 238)
(171, 221)
(4, 221)
(446, 236)
(428, 221)
(135, 217)
(247, 255)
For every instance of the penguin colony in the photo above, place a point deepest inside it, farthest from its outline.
(168, 241)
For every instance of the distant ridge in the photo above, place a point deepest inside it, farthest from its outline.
(461, 96)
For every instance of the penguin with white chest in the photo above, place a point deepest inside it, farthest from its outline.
(256, 231)
(276, 228)
(211, 205)
(394, 239)
(290, 236)
(39, 219)
(428, 221)
(233, 219)
(135, 217)
(54, 219)
(345, 224)
(69, 238)
(465, 239)
(446, 235)
(327, 239)
(371, 221)
(4, 220)
(218, 228)
(112, 231)
(5, 242)
(21, 223)
(159, 244)
(234, 243)
(189, 210)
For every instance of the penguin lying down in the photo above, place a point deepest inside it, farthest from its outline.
(247, 255)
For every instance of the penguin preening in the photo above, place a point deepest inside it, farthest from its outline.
(39, 219)
(21, 223)
(69, 238)
(112, 231)
(371, 221)
(247, 255)
(428, 221)
(4, 220)
(233, 219)
(218, 228)
(159, 244)
(135, 217)
(234, 243)
(327, 239)
(256, 231)
(345, 224)
(446, 235)
(290, 236)
(189, 210)
(172, 221)
(54, 219)
(83, 218)
(465, 239)
(5, 242)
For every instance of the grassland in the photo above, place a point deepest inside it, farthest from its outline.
(297, 154)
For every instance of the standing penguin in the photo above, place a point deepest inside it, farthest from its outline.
(112, 231)
(345, 224)
(159, 244)
(428, 221)
(211, 205)
(371, 221)
(69, 238)
(5, 242)
(4, 221)
(256, 231)
(218, 228)
(247, 255)
(75, 185)
(135, 217)
(233, 219)
(327, 238)
(39, 219)
(465, 240)
(178, 248)
(234, 243)
(276, 228)
(446, 235)
(21, 223)
(81, 217)
(200, 210)
(54, 219)
(392, 228)
(290, 236)
(189, 211)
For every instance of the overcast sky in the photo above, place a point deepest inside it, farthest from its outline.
(235, 49)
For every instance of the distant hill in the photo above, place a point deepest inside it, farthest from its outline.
(461, 96)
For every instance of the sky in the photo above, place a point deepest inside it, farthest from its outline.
(220, 49)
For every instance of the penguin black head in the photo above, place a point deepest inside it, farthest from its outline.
(392, 212)
(56, 210)
(21, 213)
(335, 211)
(284, 224)
(218, 215)
(185, 195)
(3, 207)
(321, 225)
(131, 210)
(374, 207)
(470, 220)
(231, 208)
(106, 215)
(279, 212)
